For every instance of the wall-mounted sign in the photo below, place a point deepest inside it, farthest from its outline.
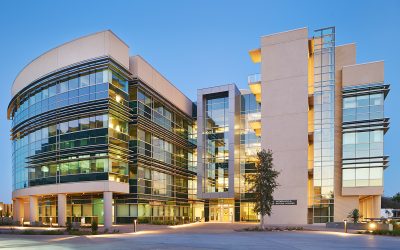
(284, 202)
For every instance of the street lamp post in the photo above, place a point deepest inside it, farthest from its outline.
(134, 225)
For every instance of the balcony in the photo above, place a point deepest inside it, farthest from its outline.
(255, 123)
(254, 78)
(254, 82)
(255, 55)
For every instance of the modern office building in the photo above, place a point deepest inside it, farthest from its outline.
(98, 134)
(322, 115)
(101, 135)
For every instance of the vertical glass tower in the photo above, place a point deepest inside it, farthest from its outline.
(324, 122)
(216, 141)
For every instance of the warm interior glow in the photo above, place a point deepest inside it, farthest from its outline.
(118, 98)
(255, 88)
(256, 126)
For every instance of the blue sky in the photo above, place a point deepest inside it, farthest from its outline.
(197, 44)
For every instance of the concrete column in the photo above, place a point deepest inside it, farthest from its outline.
(377, 206)
(62, 209)
(17, 209)
(369, 203)
(107, 206)
(33, 209)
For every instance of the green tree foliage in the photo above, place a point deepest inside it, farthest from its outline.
(263, 184)
(396, 197)
(355, 215)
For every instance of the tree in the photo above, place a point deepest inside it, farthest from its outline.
(263, 184)
(396, 197)
(355, 215)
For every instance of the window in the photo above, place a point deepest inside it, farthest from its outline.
(145, 99)
(84, 123)
(52, 130)
(119, 82)
(84, 81)
(52, 90)
(349, 102)
(64, 127)
(84, 166)
(73, 126)
(362, 137)
(63, 86)
(362, 176)
(349, 138)
(376, 99)
(99, 77)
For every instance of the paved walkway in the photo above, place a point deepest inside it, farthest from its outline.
(202, 236)
(199, 227)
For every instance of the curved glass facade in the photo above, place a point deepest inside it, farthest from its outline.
(71, 128)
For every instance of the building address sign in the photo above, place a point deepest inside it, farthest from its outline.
(284, 202)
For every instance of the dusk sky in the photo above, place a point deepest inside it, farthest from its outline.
(198, 44)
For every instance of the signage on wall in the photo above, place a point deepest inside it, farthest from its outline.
(284, 202)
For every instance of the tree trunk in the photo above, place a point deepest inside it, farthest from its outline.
(262, 222)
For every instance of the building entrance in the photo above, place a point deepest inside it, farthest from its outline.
(221, 211)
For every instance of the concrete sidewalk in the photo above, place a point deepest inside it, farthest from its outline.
(196, 228)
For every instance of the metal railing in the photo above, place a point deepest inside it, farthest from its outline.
(254, 78)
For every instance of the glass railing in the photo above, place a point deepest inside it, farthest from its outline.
(254, 78)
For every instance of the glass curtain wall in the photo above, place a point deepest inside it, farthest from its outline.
(250, 144)
(324, 103)
(363, 155)
(216, 142)
(161, 182)
(31, 148)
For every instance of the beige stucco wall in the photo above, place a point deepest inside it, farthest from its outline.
(284, 114)
(75, 187)
(357, 74)
(104, 43)
(362, 191)
(144, 71)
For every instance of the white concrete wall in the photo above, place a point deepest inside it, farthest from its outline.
(365, 73)
(150, 76)
(74, 187)
(104, 43)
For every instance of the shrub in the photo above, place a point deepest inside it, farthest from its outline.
(69, 226)
(94, 226)
(28, 232)
(143, 220)
(355, 215)
(51, 232)
(384, 232)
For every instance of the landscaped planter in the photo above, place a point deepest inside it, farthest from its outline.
(356, 226)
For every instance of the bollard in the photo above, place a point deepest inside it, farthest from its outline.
(345, 226)
(134, 225)
(51, 222)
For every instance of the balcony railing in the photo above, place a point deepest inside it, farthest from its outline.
(254, 78)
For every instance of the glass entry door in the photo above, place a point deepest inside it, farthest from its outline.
(221, 211)
(214, 214)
